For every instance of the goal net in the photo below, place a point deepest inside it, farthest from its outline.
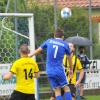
(10, 39)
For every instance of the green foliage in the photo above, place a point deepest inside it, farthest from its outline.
(96, 50)
(20, 6)
(76, 24)
(2, 5)
(44, 21)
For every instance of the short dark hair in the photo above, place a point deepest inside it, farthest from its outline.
(81, 47)
(24, 49)
(59, 33)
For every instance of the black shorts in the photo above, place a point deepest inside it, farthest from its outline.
(16, 95)
(72, 89)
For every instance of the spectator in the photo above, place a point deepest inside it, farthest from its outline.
(84, 61)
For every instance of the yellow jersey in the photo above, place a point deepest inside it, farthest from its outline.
(24, 68)
(77, 67)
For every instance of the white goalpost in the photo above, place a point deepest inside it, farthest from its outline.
(31, 33)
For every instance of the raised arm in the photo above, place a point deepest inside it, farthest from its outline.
(37, 51)
(42, 47)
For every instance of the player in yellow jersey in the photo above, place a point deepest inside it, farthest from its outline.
(73, 83)
(25, 70)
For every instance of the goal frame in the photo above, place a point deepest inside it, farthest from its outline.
(31, 37)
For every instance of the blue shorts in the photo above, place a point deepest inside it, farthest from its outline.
(58, 80)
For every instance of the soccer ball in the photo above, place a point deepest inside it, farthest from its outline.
(66, 12)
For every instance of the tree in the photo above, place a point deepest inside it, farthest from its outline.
(76, 24)
(2, 5)
(44, 21)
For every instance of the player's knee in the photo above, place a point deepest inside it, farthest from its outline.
(73, 98)
(66, 89)
(57, 91)
(52, 98)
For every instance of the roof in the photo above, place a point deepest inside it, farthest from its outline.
(71, 3)
(96, 18)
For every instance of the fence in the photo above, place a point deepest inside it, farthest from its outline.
(92, 81)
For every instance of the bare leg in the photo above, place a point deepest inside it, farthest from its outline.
(66, 89)
(52, 98)
(73, 98)
(81, 89)
(58, 93)
(67, 93)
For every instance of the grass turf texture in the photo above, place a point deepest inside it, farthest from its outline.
(87, 98)
(93, 97)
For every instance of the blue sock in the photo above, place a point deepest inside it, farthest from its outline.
(58, 97)
(68, 96)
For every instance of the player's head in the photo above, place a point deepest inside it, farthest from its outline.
(81, 49)
(59, 33)
(24, 50)
(72, 47)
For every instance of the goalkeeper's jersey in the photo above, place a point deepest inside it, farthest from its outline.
(77, 67)
(24, 68)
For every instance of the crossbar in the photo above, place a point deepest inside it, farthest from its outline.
(17, 14)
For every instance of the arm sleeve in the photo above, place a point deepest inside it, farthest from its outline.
(44, 45)
(79, 65)
(36, 68)
(67, 50)
(13, 68)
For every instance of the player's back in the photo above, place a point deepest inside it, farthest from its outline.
(56, 48)
(24, 69)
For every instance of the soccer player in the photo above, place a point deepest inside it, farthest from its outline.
(25, 70)
(56, 48)
(73, 84)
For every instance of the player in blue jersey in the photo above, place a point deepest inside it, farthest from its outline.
(56, 48)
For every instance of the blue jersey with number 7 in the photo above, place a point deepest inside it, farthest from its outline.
(56, 48)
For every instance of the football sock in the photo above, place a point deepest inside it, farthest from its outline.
(68, 96)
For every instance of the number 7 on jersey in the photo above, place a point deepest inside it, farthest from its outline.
(56, 50)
